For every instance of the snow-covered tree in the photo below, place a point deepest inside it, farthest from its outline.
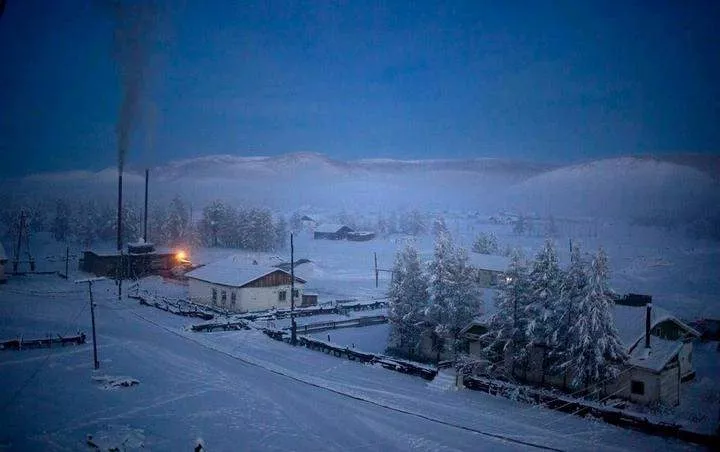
(564, 309)
(507, 330)
(177, 226)
(595, 351)
(520, 226)
(60, 227)
(281, 233)
(544, 280)
(455, 298)
(407, 295)
(486, 243)
(412, 223)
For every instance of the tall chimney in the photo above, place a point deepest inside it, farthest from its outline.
(147, 178)
(648, 312)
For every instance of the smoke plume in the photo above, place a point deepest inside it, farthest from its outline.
(135, 23)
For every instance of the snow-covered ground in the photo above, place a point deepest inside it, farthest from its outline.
(372, 339)
(239, 391)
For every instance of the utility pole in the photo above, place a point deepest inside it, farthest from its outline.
(293, 331)
(377, 272)
(89, 282)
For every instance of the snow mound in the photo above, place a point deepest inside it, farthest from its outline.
(108, 382)
(117, 438)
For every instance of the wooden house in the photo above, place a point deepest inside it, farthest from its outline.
(3, 262)
(332, 231)
(236, 286)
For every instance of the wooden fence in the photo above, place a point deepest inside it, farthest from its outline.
(579, 407)
(20, 344)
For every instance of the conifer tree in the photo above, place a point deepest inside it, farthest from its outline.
(408, 295)
(595, 352)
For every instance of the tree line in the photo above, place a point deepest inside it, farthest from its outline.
(539, 306)
(92, 222)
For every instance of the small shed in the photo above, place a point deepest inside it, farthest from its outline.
(330, 231)
(234, 285)
(3, 261)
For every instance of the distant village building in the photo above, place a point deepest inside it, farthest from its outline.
(360, 236)
(489, 268)
(652, 374)
(332, 231)
(3, 261)
(234, 285)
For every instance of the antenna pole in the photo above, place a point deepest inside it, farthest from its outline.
(376, 270)
(147, 179)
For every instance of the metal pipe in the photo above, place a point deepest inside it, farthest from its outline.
(648, 313)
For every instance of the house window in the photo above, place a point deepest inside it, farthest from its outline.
(282, 295)
(637, 387)
(295, 293)
(223, 297)
(233, 299)
(214, 296)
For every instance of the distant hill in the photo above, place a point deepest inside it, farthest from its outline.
(670, 185)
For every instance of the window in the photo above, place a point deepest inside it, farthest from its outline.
(214, 296)
(282, 295)
(223, 297)
(637, 387)
(233, 299)
(295, 293)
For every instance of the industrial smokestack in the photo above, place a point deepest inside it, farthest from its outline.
(147, 179)
(648, 313)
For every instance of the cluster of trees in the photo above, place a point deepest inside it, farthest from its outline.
(434, 301)
(486, 243)
(565, 313)
(253, 228)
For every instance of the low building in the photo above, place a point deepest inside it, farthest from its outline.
(658, 343)
(360, 236)
(489, 268)
(332, 231)
(236, 286)
(139, 260)
(3, 262)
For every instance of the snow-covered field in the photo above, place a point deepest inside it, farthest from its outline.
(239, 391)
(372, 339)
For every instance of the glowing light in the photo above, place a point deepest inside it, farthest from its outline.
(181, 256)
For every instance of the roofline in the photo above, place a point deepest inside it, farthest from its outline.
(272, 270)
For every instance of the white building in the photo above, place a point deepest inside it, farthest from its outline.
(236, 286)
(3, 261)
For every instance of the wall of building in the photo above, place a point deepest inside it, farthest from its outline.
(248, 299)
(685, 359)
(3, 278)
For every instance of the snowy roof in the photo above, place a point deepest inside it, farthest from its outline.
(233, 271)
(655, 358)
(630, 322)
(331, 227)
(3, 256)
(489, 262)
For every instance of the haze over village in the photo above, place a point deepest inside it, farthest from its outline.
(431, 226)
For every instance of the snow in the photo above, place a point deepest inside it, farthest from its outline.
(655, 358)
(371, 339)
(240, 391)
(232, 272)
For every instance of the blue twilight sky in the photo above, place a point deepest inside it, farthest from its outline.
(551, 81)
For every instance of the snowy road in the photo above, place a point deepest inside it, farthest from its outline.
(242, 391)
